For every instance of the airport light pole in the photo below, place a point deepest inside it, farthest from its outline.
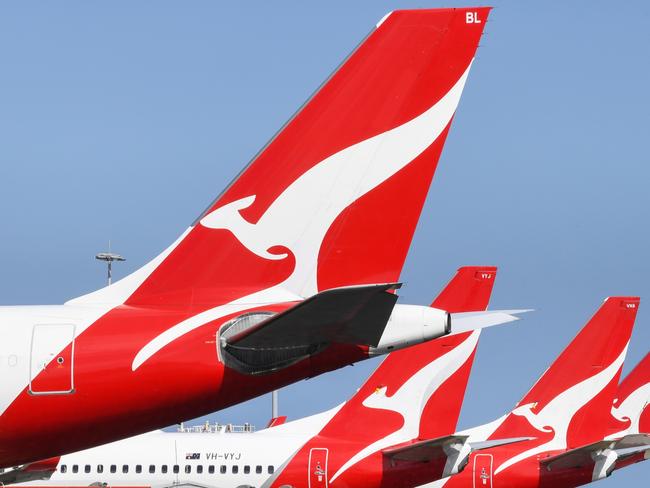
(274, 404)
(109, 257)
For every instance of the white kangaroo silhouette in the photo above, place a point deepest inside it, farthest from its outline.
(412, 397)
(631, 409)
(302, 214)
(557, 414)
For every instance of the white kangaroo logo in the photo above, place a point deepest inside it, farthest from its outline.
(557, 414)
(412, 397)
(302, 214)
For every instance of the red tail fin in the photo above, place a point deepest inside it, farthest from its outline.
(468, 291)
(415, 392)
(570, 404)
(311, 210)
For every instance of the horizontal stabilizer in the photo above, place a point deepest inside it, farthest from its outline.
(466, 321)
(259, 342)
(423, 451)
(480, 445)
(431, 449)
(450, 453)
(39, 470)
(584, 456)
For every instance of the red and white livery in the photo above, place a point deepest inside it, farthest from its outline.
(567, 416)
(290, 272)
(408, 407)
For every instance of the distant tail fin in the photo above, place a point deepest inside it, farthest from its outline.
(416, 392)
(432, 375)
(468, 291)
(630, 408)
(570, 404)
(311, 211)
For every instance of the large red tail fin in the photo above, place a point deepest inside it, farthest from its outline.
(333, 199)
(570, 404)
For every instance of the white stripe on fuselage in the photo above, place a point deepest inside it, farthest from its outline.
(16, 325)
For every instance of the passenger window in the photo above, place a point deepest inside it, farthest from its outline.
(100, 468)
(75, 468)
(152, 468)
(188, 468)
(211, 469)
(176, 469)
(235, 469)
(64, 468)
(222, 469)
(163, 468)
(199, 469)
(113, 468)
(125, 468)
(247, 469)
(270, 469)
(87, 468)
(138, 468)
(258, 469)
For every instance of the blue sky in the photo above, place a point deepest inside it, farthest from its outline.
(123, 120)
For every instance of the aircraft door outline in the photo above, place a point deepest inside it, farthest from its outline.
(482, 471)
(51, 361)
(317, 474)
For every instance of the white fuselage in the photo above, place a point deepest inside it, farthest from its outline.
(225, 459)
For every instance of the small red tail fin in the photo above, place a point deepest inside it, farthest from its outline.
(570, 404)
(416, 392)
(432, 375)
(468, 291)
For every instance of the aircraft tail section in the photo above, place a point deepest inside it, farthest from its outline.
(415, 393)
(569, 406)
(333, 199)
(468, 291)
(429, 378)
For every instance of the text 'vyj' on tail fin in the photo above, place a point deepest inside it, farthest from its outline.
(333, 199)
(417, 392)
(468, 291)
(570, 404)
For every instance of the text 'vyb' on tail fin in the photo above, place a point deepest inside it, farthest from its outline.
(573, 397)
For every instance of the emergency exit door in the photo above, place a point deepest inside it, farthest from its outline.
(483, 471)
(52, 359)
(318, 468)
